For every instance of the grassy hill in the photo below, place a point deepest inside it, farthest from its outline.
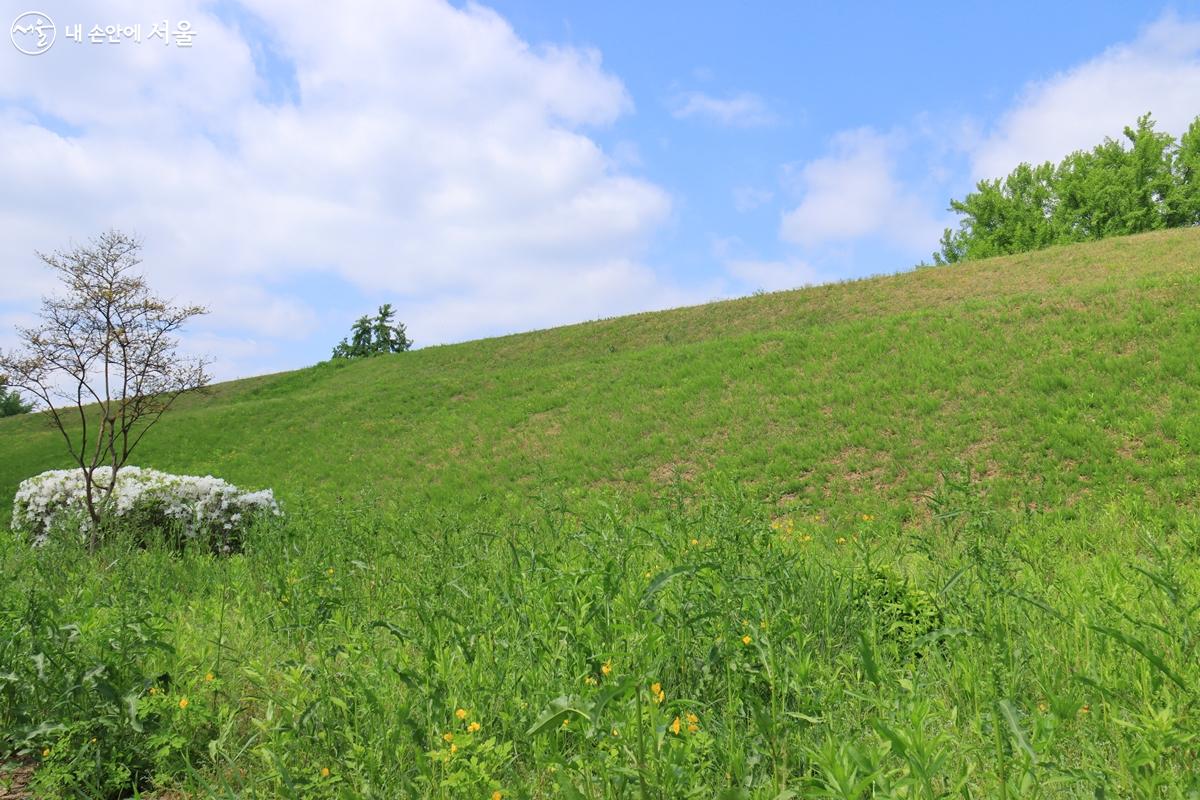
(919, 536)
(1056, 375)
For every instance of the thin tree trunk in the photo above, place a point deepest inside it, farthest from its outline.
(93, 514)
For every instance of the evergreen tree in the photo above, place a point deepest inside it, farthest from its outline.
(370, 336)
(11, 402)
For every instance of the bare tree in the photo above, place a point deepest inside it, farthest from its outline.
(103, 361)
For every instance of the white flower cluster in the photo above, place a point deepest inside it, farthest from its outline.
(197, 504)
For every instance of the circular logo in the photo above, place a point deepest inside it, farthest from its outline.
(32, 33)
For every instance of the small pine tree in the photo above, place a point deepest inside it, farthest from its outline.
(389, 338)
(370, 336)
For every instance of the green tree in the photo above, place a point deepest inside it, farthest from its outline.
(370, 336)
(1144, 182)
(11, 402)
(1004, 216)
(389, 338)
(1113, 190)
(1183, 201)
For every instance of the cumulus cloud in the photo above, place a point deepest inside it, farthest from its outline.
(1158, 71)
(857, 191)
(853, 192)
(741, 110)
(430, 158)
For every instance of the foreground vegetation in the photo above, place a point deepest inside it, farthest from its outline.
(580, 650)
(922, 536)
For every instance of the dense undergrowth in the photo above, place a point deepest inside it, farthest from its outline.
(586, 650)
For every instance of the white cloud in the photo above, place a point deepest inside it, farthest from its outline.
(1159, 72)
(774, 275)
(857, 191)
(431, 158)
(742, 110)
(853, 193)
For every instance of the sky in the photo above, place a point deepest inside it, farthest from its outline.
(495, 168)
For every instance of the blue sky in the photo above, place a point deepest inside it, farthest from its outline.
(817, 70)
(503, 167)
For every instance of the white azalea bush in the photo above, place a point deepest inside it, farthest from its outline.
(185, 507)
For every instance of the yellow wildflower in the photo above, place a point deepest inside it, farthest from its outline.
(153, 690)
(461, 713)
(473, 727)
(868, 517)
(45, 752)
(691, 718)
(590, 680)
(183, 702)
(453, 749)
(329, 571)
(616, 733)
(209, 678)
(841, 540)
(324, 772)
(448, 737)
(695, 542)
(606, 668)
(675, 726)
(657, 690)
(566, 721)
(496, 795)
(746, 640)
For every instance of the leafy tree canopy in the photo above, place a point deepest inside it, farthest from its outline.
(1147, 182)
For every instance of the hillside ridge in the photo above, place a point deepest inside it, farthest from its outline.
(1071, 363)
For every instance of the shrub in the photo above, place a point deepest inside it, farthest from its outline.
(179, 508)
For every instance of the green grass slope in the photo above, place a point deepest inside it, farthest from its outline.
(1055, 375)
(819, 614)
